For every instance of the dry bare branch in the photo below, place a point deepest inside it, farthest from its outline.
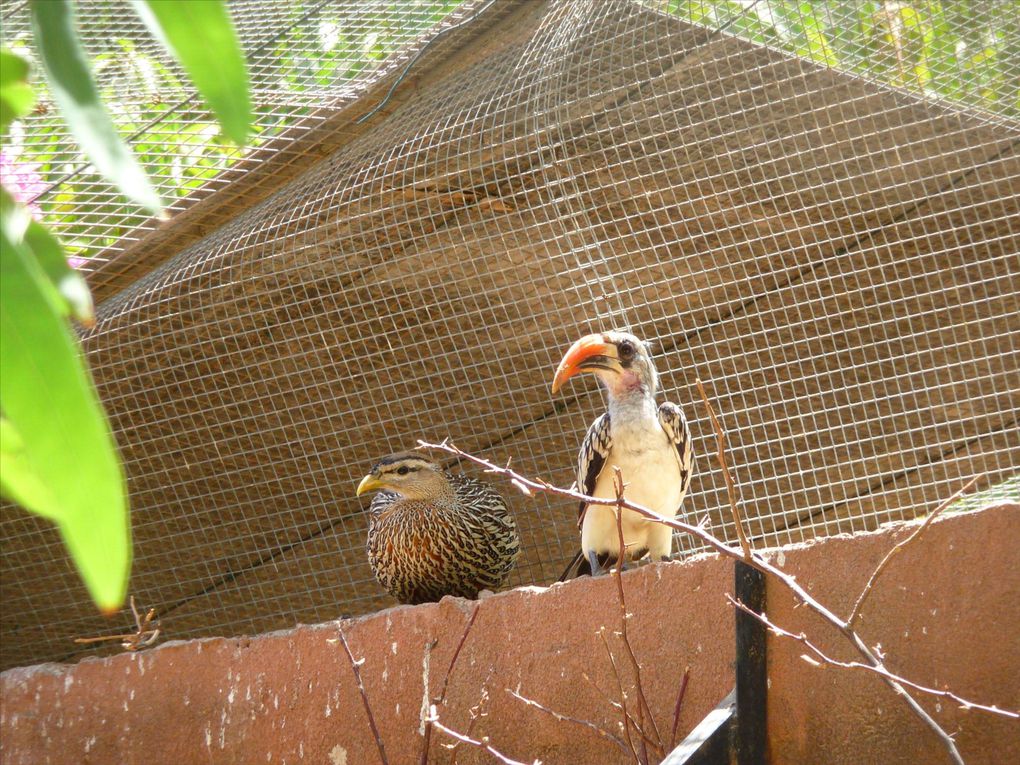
(731, 489)
(441, 698)
(755, 560)
(825, 659)
(614, 704)
(356, 669)
(645, 726)
(856, 610)
(644, 711)
(538, 485)
(482, 744)
(628, 720)
(476, 713)
(147, 631)
(678, 706)
(457, 650)
(576, 721)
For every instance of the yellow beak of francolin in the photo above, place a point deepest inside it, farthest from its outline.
(368, 483)
(589, 354)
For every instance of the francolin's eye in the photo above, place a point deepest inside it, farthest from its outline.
(625, 350)
(403, 470)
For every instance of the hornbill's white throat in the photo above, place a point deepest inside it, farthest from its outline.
(650, 443)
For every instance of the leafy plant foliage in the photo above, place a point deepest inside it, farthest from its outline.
(57, 454)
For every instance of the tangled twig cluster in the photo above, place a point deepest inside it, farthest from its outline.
(873, 661)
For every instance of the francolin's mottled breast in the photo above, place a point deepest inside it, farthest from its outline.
(434, 533)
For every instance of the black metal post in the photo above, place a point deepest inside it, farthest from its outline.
(749, 742)
(737, 726)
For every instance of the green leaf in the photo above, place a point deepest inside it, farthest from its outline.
(69, 283)
(200, 36)
(818, 44)
(16, 221)
(59, 457)
(16, 96)
(68, 73)
(18, 482)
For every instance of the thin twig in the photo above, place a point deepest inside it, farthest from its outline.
(731, 489)
(544, 487)
(482, 744)
(856, 610)
(628, 721)
(441, 698)
(679, 704)
(146, 632)
(756, 561)
(643, 708)
(621, 556)
(567, 718)
(421, 52)
(893, 681)
(625, 715)
(880, 671)
(475, 713)
(457, 650)
(602, 693)
(356, 668)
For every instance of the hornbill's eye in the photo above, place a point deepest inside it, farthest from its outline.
(626, 350)
(403, 470)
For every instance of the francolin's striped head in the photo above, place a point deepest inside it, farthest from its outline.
(408, 474)
(620, 360)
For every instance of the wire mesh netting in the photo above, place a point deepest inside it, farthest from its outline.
(306, 59)
(813, 207)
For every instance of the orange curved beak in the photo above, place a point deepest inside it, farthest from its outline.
(588, 354)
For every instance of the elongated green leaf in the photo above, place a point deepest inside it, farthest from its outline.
(200, 36)
(18, 482)
(70, 79)
(16, 220)
(69, 283)
(57, 440)
(70, 293)
(16, 96)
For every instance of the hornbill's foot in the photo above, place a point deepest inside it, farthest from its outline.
(593, 561)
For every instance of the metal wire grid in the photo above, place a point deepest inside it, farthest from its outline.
(306, 59)
(941, 51)
(852, 309)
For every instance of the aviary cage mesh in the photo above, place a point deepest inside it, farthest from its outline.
(774, 193)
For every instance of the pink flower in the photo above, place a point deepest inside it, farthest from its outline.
(26, 185)
(23, 181)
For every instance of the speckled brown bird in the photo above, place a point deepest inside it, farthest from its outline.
(434, 533)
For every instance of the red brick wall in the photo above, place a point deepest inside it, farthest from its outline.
(947, 612)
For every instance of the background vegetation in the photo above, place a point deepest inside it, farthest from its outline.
(963, 51)
(58, 459)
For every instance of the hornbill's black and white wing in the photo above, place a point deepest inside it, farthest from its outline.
(673, 422)
(595, 449)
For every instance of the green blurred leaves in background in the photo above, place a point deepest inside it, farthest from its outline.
(16, 95)
(313, 48)
(58, 458)
(70, 79)
(199, 35)
(963, 51)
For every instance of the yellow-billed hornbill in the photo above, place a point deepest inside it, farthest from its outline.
(432, 533)
(651, 444)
